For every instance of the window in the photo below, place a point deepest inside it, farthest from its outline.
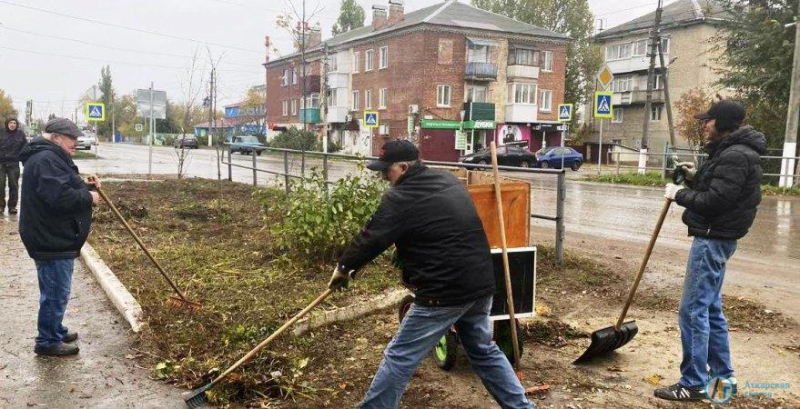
(546, 101)
(640, 48)
(356, 100)
(547, 61)
(285, 108)
(659, 82)
(476, 93)
(443, 93)
(294, 107)
(294, 75)
(383, 57)
(522, 93)
(617, 119)
(333, 64)
(618, 51)
(382, 97)
(655, 113)
(312, 101)
(369, 56)
(285, 78)
(523, 56)
(333, 99)
(356, 61)
(665, 45)
(622, 84)
(368, 99)
(478, 53)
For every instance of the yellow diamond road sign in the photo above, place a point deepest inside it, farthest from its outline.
(605, 76)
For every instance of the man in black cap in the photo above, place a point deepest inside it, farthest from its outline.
(720, 200)
(54, 224)
(446, 261)
(12, 144)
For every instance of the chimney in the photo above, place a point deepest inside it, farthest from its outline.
(395, 11)
(378, 17)
(314, 36)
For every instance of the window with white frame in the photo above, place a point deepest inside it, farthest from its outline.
(523, 56)
(547, 61)
(478, 53)
(546, 100)
(382, 98)
(618, 51)
(665, 45)
(294, 107)
(367, 99)
(356, 62)
(521, 93)
(617, 118)
(443, 93)
(369, 57)
(622, 84)
(333, 64)
(285, 78)
(655, 113)
(659, 82)
(285, 108)
(294, 75)
(333, 99)
(383, 57)
(640, 48)
(312, 101)
(476, 93)
(355, 101)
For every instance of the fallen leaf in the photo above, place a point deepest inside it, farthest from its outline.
(533, 390)
(654, 379)
(615, 368)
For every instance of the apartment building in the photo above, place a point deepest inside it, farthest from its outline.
(688, 30)
(428, 73)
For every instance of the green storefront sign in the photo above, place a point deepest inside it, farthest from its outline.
(440, 124)
(480, 124)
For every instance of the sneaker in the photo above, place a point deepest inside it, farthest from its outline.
(58, 350)
(680, 393)
(71, 337)
(12, 210)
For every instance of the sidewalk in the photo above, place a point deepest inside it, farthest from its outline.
(99, 377)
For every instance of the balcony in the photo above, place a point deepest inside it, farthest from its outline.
(522, 113)
(633, 64)
(523, 71)
(337, 114)
(637, 97)
(486, 71)
(479, 111)
(338, 80)
(309, 116)
(313, 84)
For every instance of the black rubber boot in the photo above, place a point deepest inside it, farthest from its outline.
(59, 350)
(71, 336)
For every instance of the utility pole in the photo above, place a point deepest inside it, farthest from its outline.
(152, 136)
(654, 38)
(211, 105)
(324, 98)
(790, 140)
(667, 99)
(303, 67)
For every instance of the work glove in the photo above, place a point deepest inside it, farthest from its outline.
(689, 169)
(339, 280)
(672, 190)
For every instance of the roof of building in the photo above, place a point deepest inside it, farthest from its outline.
(450, 13)
(680, 12)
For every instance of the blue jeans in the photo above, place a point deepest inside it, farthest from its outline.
(55, 281)
(704, 329)
(421, 329)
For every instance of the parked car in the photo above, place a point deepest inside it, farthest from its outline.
(86, 141)
(246, 144)
(507, 155)
(186, 142)
(551, 157)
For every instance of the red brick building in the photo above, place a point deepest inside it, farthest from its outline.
(428, 74)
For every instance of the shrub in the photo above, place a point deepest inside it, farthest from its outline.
(294, 138)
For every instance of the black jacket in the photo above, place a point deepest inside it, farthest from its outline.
(721, 202)
(441, 246)
(56, 204)
(12, 144)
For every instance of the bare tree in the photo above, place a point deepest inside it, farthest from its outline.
(191, 87)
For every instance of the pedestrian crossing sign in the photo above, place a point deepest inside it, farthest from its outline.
(603, 107)
(95, 111)
(371, 119)
(565, 113)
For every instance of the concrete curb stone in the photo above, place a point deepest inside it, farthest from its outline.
(114, 289)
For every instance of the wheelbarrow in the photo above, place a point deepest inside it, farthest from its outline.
(522, 262)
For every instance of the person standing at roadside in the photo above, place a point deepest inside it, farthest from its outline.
(54, 224)
(12, 144)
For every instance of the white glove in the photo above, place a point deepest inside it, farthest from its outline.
(689, 169)
(672, 190)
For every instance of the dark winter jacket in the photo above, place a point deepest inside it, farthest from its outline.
(12, 144)
(441, 245)
(56, 203)
(721, 202)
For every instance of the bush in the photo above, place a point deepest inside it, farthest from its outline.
(294, 138)
(316, 227)
(632, 178)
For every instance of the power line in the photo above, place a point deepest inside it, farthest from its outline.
(138, 30)
(266, 9)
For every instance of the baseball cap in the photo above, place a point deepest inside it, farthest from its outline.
(392, 152)
(63, 126)
(725, 111)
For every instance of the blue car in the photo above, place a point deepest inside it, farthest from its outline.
(246, 144)
(551, 157)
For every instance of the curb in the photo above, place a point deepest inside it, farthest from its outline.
(370, 306)
(114, 289)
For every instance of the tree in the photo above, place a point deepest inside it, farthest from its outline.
(253, 109)
(107, 97)
(571, 17)
(7, 109)
(689, 104)
(351, 16)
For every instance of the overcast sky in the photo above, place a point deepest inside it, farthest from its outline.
(51, 51)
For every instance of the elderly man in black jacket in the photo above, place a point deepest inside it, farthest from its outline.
(12, 144)
(720, 201)
(54, 224)
(445, 257)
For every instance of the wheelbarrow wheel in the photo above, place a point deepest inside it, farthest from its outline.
(445, 352)
(502, 336)
(404, 306)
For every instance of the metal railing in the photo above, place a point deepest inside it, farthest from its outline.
(287, 175)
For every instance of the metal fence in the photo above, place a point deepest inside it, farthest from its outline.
(289, 155)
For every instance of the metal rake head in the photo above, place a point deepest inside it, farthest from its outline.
(197, 398)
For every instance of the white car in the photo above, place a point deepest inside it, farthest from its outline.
(86, 142)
